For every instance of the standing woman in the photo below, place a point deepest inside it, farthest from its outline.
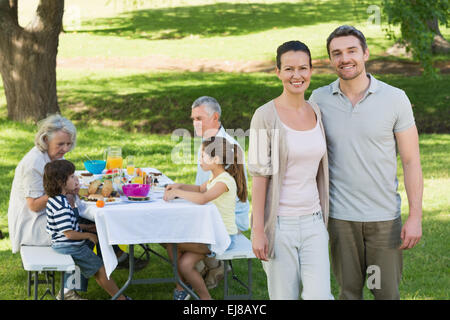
(288, 162)
(26, 214)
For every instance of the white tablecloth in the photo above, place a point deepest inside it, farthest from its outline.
(176, 221)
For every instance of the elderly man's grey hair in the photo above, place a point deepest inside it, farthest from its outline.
(211, 105)
(50, 125)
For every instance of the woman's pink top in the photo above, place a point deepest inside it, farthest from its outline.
(299, 194)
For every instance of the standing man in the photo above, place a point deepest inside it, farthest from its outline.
(365, 121)
(205, 115)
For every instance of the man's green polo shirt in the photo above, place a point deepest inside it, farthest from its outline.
(362, 149)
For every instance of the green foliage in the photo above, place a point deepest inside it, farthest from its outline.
(414, 18)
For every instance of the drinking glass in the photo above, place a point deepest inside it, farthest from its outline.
(130, 165)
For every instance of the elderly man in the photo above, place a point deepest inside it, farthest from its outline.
(205, 115)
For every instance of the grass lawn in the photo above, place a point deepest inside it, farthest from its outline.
(425, 267)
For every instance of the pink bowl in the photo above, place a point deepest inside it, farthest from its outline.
(136, 190)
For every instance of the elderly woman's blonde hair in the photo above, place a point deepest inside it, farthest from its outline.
(48, 126)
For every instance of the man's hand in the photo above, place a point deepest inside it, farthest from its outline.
(411, 233)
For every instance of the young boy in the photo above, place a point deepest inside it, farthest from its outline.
(63, 226)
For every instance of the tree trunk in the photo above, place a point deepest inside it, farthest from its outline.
(440, 45)
(28, 60)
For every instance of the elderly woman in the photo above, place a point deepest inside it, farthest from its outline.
(26, 214)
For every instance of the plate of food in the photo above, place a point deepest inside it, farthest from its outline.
(93, 198)
(138, 199)
(99, 190)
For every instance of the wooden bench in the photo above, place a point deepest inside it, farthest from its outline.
(241, 250)
(43, 259)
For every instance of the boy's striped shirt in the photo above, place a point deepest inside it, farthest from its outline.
(60, 218)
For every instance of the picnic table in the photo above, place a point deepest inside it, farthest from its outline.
(155, 221)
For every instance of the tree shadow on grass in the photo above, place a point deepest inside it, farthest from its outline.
(223, 19)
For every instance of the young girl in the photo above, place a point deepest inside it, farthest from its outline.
(64, 229)
(228, 180)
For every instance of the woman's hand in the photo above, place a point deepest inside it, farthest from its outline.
(260, 246)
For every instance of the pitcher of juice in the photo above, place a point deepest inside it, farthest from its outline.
(114, 158)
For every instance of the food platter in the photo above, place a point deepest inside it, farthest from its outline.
(108, 201)
(109, 187)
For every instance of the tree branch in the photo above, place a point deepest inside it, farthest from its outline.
(49, 14)
(9, 25)
(8, 14)
(14, 10)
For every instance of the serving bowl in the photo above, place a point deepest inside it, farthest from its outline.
(95, 166)
(136, 189)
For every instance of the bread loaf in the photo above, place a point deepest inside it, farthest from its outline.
(93, 186)
(107, 188)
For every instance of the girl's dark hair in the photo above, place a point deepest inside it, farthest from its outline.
(231, 158)
(56, 174)
(344, 31)
(293, 45)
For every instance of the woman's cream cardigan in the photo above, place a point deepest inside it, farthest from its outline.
(267, 157)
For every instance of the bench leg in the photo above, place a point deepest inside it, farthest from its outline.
(225, 280)
(227, 283)
(29, 283)
(36, 282)
(250, 278)
(53, 283)
(62, 285)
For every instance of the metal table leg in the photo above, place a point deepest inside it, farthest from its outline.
(36, 282)
(174, 279)
(130, 273)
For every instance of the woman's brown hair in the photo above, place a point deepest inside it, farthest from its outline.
(232, 159)
(56, 174)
